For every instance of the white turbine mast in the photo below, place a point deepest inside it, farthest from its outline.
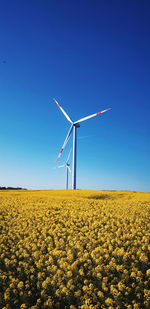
(73, 127)
(68, 169)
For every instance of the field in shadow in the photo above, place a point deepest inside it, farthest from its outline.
(101, 197)
(105, 196)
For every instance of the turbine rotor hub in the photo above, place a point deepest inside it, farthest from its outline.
(76, 125)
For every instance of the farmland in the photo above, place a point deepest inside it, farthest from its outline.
(74, 249)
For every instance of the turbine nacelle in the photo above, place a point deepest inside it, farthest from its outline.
(76, 125)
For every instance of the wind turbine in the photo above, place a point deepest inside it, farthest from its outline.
(68, 170)
(73, 127)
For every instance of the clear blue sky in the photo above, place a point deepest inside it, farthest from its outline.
(90, 55)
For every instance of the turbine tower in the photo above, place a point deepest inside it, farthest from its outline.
(67, 166)
(73, 127)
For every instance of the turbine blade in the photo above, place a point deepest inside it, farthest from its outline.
(91, 116)
(60, 166)
(65, 114)
(69, 169)
(65, 142)
(68, 156)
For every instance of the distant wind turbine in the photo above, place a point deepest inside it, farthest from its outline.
(74, 126)
(67, 166)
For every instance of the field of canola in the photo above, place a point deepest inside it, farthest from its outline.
(74, 249)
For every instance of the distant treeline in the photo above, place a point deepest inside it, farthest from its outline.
(11, 188)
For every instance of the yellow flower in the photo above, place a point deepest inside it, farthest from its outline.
(69, 274)
(148, 272)
(77, 293)
(121, 286)
(109, 301)
(20, 285)
(100, 294)
(23, 306)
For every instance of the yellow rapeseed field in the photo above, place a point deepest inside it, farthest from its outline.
(74, 249)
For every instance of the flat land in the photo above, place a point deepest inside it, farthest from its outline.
(74, 249)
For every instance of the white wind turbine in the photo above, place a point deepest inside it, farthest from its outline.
(74, 126)
(68, 169)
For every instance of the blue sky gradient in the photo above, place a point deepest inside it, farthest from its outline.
(90, 55)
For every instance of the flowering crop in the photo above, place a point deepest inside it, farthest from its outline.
(74, 249)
